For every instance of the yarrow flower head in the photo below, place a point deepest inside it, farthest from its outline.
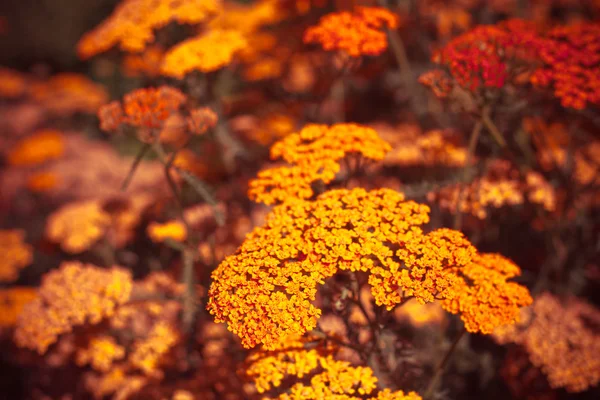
(571, 58)
(132, 24)
(314, 154)
(206, 53)
(484, 297)
(323, 376)
(560, 339)
(485, 57)
(16, 254)
(358, 33)
(72, 295)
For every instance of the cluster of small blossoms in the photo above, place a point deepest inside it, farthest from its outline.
(485, 57)
(132, 23)
(571, 57)
(73, 295)
(16, 254)
(358, 33)
(12, 302)
(264, 291)
(499, 188)
(68, 93)
(326, 377)
(152, 109)
(43, 145)
(484, 298)
(206, 53)
(314, 154)
(560, 339)
(101, 352)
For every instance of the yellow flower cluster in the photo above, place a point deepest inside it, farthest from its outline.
(174, 230)
(148, 352)
(16, 254)
(12, 302)
(264, 291)
(559, 339)
(206, 53)
(42, 146)
(72, 295)
(77, 226)
(324, 376)
(314, 154)
(484, 298)
(132, 23)
(101, 352)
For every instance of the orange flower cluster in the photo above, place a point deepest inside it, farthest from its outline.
(500, 187)
(16, 254)
(73, 295)
(358, 33)
(148, 352)
(41, 146)
(101, 352)
(132, 23)
(12, 302)
(65, 94)
(206, 53)
(329, 378)
(412, 147)
(158, 112)
(77, 226)
(264, 291)
(146, 108)
(174, 230)
(571, 57)
(487, 56)
(146, 63)
(484, 298)
(560, 339)
(438, 82)
(314, 154)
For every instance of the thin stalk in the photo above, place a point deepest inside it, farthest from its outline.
(442, 365)
(473, 140)
(138, 158)
(489, 124)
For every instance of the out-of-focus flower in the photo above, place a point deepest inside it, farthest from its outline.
(150, 107)
(101, 352)
(66, 94)
(206, 53)
(499, 188)
(42, 182)
(132, 23)
(560, 339)
(487, 57)
(38, 148)
(314, 154)
(146, 63)
(174, 230)
(12, 302)
(201, 120)
(571, 57)
(13, 84)
(247, 18)
(420, 315)
(147, 352)
(484, 298)
(359, 33)
(77, 226)
(16, 254)
(72, 295)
